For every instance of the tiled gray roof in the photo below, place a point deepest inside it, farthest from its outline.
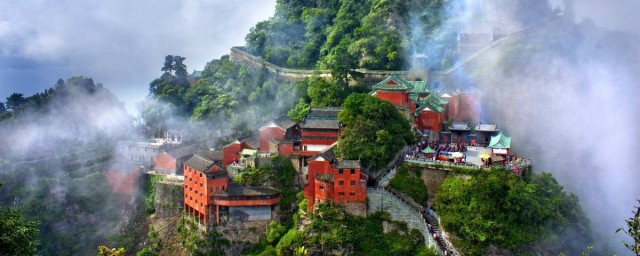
(459, 126)
(487, 127)
(324, 112)
(211, 154)
(199, 163)
(320, 124)
(284, 122)
(238, 190)
(347, 164)
(183, 150)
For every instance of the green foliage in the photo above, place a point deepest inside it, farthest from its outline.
(299, 111)
(197, 243)
(499, 208)
(324, 93)
(633, 231)
(408, 180)
(274, 232)
(17, 236)
(374, 130)
(344, 35)
(146, 252)
(228, 96)
(149, 186)
(106, 251)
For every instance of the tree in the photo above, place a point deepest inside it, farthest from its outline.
(17, 237)
(324, 93)
(495, 207)
(633, 230)
(299, 111)
(15, 100)
(2, 108)
(374, 130)
(168, 64)
(181, 70)
(106, 251)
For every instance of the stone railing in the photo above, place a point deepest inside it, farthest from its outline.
(239, 55)
(380, 199)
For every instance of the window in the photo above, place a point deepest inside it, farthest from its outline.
(352, 193)
(353, 171)
(200, 175)
(353, 183)
(341, 193)
(201, 205)
(210, 190)
(196, 201)
(321, 187)
(340, 171)
(200, 194)
(341, 182)
(222, 188)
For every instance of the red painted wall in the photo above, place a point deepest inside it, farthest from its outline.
(165, 161)
(324, 191)
(350, 193)
(269, 133)
(395, 98)
(124, 182)
(429, 119)
(469, 108)
(232, 151)
(452, 107)
(285, 149)
(340, 190)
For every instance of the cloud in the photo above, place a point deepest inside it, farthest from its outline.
(120, 43)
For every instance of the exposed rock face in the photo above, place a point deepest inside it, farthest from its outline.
(169, 199)
(243, 231)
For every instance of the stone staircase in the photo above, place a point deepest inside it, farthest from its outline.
(400, 210)
(380, 199)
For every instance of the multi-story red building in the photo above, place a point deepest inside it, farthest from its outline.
(319, 129)
(208, 193)
(335, 180)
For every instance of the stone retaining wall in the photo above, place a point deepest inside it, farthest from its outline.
(239, 55)
(379, 199)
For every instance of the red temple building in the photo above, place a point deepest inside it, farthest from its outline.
(413, 99)
(319, 129)
(280, 137)
(231, 151)
(334, 180)
(208, 194)
(170, 161)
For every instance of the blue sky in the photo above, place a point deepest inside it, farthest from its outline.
(122, 43)
(119, 43)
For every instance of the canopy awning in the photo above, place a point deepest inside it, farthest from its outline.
(428, 150)
(500, 141)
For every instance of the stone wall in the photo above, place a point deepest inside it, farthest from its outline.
(239, 55)
(169, 199)
(356, 208)
(380, 199)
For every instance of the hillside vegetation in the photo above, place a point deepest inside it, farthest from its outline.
(370, 34)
